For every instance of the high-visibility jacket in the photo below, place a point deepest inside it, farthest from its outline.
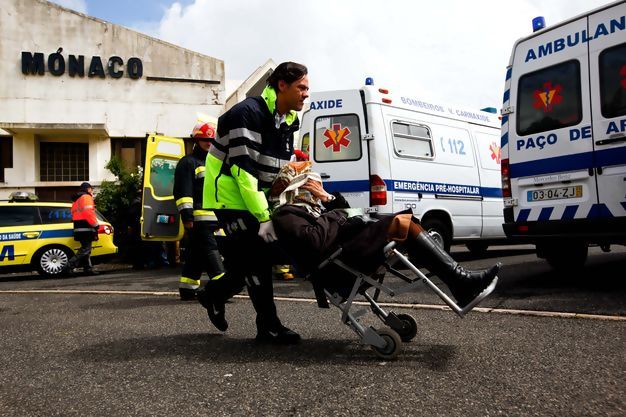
(248, 152)
(84, 216)
(188, 185)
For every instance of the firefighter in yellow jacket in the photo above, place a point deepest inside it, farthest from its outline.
(201, 254)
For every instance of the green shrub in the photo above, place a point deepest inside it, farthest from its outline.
(114, 197)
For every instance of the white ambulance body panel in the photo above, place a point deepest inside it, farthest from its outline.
(564, 135)
(441, 162)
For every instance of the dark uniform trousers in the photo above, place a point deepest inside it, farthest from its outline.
(248, 261)
(201, 253)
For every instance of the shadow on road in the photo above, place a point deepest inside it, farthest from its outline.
(223, 349)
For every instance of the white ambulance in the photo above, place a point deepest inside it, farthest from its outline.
(564, 136)
(388, 152)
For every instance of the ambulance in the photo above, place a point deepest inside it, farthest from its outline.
(387, 151)
(564, 136)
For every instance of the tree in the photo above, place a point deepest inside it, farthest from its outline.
(115, 197)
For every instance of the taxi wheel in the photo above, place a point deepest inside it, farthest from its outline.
(52, 260)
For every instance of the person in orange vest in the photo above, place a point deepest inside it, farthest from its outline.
(85, 229)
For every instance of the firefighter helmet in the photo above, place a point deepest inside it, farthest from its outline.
(203, 130)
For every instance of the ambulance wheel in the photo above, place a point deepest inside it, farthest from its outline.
(391, 349)
(566, 257)
(439, 231)
(477, 248)
(51, 261)
(409, 327)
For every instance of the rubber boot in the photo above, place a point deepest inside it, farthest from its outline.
(465, 285)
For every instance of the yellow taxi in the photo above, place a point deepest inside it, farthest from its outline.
(38, 236)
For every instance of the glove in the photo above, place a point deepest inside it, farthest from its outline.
(267, 232)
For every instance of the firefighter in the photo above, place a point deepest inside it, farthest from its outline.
(201, 253)
(85, 229)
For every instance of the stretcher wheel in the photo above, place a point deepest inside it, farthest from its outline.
(390, 351)
(409, 327)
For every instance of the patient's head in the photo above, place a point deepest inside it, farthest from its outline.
(297, 184)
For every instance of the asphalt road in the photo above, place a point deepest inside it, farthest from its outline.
(122, 344)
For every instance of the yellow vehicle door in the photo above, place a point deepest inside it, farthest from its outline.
(20, 227)
(160, 220)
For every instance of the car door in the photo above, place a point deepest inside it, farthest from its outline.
(20, 227)
(159, 217)
(607, 62)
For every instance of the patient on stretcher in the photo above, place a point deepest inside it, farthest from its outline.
(311, 223)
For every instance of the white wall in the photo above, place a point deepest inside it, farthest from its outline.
(121, 107)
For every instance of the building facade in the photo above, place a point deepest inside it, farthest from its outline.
(77, 90)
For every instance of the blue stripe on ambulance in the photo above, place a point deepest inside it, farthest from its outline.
(585, 160)
(597, 211)
(415, 187)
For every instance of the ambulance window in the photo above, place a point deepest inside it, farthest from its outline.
(15, 215)
(162, 175)
(51, 215)
(337, 138)
(413, 141)
(549, 99)
(613, 81)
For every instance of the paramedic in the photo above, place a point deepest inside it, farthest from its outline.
(85, 229)
(201, 252)
(255, 138)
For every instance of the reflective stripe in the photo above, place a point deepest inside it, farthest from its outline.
(241, 132)
(267, 177)
(256, 281)
(184, 200)
(184, 206)
(184, 203)
(217, 153)
(269, 161)
(200, 172)
(190, 281)
(217, 276)
(204, 218)
(84, 229)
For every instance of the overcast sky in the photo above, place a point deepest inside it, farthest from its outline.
(453, 51)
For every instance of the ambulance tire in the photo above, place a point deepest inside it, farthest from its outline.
(50, 261)
(439, 231)
(477, 248)
(566, 257)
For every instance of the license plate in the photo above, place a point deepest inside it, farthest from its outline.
(575, 191)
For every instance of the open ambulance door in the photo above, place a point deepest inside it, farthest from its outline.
(160, 220)
(334, 127)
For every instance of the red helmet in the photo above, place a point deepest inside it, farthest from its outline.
(203, 130)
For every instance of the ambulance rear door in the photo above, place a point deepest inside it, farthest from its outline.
(338, 149)
(160, 220)
(607, 61)
(550, 144)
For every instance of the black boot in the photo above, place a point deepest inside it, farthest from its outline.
(465, 285)
(214, 295)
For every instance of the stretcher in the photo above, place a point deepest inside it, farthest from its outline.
(385, 341)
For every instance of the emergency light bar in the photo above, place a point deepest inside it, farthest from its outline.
(539, 23)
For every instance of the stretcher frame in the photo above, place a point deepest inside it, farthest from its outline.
(386, 342)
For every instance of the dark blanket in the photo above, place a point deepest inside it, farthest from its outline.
(310, 239)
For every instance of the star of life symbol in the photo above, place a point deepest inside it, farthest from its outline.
(548, 97)
(495, 152)
(337, 136)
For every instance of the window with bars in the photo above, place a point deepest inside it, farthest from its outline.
(64, 161)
